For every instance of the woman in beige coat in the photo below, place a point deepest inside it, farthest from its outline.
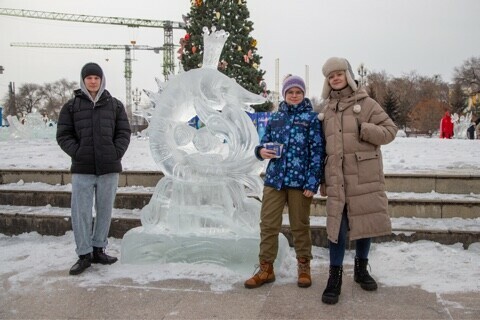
(355, 127)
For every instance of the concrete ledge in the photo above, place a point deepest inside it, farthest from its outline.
(63, 177)
(459, 184)
(62, 199)
(18, 223)
(142, 178)
(433, 208)
(394, 182)
(14, 224)
(35, 198)
(420, 208)
(32, 175)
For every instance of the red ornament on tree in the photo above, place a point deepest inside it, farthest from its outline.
(187, 37)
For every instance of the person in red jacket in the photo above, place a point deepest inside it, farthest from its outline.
(446, 126)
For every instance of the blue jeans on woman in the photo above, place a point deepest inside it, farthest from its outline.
(337, 250)
(86, 188)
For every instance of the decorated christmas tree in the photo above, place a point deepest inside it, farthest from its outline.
(239, 59)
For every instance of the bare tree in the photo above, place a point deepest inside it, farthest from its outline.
(458, 99)
(405, 91)
(29, 96)
(433, 88)
(411, 89)
(377, 83)
(425, 115)
(468, 75)
(47, 99)
(56, 95)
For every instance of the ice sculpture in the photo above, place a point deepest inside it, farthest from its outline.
(34, 126)
(200, 211)
(460, 125)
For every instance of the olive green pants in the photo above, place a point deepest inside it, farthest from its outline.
(273, 204)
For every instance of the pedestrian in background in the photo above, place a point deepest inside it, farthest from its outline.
(446, 126)
(355, 126)
(471, 130)
(93, 129)
(292, 177)
(477, 127)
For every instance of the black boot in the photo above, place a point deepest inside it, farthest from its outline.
(362, 276)
(82, 263)
(99, 256)
(334, 285)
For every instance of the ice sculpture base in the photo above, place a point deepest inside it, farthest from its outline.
(142, 246)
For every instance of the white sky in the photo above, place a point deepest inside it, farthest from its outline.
(27, 258)
(398, 36)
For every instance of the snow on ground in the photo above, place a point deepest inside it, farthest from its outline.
(402, 155)
(41, 260)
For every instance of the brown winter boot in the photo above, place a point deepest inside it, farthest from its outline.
(264, 275)
(304, 278)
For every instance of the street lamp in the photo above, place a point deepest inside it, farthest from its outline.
(136, 96)
(362, 72)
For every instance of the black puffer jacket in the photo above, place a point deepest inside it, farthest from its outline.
(94, 135)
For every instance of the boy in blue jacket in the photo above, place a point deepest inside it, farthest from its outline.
(294, 144)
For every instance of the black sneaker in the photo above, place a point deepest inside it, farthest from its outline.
(82, 263)
(99, 256)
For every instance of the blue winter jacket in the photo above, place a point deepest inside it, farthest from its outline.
(301, 165)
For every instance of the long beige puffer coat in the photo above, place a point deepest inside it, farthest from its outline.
(355, 127)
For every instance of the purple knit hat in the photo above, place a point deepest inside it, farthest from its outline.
(291, 82)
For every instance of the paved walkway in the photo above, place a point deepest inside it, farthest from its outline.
(187, 299)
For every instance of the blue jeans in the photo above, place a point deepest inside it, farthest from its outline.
(337, 250)
(84, 188)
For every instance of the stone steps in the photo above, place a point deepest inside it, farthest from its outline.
(398, 182)
(15, 221)
(430, 194)
(420, 207)
(426, 195)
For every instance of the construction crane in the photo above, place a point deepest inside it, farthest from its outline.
(168, 26)
(128, 59)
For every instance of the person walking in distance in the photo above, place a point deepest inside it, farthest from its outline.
(293, 142)
(446, 126)
(355, 126)
(93, 129)
(477, 128)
